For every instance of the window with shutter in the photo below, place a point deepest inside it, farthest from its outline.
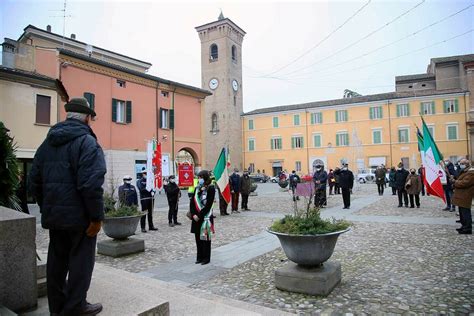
(371, 113)
(114, 110)
(296, 119)
(171, 114)
(275, 122)
(164, 118)
(376, 136)
(250, 124)
(90, 97)
(128, 119)
(317, 140)
(452, 132)
(251, 144)
(43, 109)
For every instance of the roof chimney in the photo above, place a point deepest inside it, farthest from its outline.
(48, 28)
(73, 36)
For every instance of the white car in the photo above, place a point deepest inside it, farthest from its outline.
(274, 179)
(365, 176)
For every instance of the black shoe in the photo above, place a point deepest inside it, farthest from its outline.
(226, 214)
(178, 223)
(406, 206)
(198, 262)
(417, 206)
(446, 209)
(400, 206)
(91, 309)
(143, 230)
(458, 221)
(452, 210)
(170, 224)
(205, 262)
(411, 206)
(465, 232)
(153, 228)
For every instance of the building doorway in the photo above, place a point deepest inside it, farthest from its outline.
(25, 166)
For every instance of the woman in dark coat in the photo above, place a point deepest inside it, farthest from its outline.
(391, 180)
(202, 225)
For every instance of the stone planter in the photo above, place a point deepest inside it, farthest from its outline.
(253, 187)
(121, 227)
(308, 250)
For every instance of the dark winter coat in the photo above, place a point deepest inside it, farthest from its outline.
(172, 192)
(391, 178)
(210, 193)
(67, 177)
(464, 189)
(294, 180)
(245, 185)
(234, 182)
(380, 175)
(128, 194)
(401, 178)
(331, 179)
(413, 184)
(450, 171)
(322, 177)
(346, 178)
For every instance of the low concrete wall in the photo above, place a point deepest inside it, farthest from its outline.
(18, 290)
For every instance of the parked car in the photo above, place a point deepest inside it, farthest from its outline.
(274, 179)
(365, 176)
(259, 178)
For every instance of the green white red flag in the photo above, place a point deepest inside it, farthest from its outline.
(431, 162)
(222, 174)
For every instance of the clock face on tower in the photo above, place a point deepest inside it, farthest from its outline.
(213, 83)
(235, 85)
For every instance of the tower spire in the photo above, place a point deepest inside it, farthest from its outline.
(221, 16)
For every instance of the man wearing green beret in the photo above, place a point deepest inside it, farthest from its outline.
(66, 180)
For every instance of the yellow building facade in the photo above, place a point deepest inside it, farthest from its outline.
(363, 131)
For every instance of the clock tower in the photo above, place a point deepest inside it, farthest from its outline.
(221, 73)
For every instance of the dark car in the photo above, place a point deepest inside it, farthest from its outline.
(259, 178)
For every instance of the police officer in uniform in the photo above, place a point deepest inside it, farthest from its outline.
(146, 200)
(127, 192)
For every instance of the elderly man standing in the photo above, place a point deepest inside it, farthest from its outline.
(463, 194)
(66, 180)
(234, 182)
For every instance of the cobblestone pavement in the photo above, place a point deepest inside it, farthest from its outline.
(387, 267)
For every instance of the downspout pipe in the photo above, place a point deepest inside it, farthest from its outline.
(172, 132)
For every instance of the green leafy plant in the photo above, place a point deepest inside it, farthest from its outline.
(123, 210)
(9, 171)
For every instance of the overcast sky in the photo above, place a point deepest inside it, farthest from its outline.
(294, 52)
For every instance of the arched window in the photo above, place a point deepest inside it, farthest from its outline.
(214, 52)
(214, 123)
(234, 53)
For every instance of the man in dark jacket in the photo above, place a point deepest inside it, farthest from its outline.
(234, 182)
(320, 179)
(346, 182)
(146, 200)
(380, 179)
(448, 187)
(173, 194)
(400, 180)
(127, 192)
(421, 172)
(66, 180)
(294, 180)
(245, 186)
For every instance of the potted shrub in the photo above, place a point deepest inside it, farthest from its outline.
(253, 187)
(283, 183)
(307, 239)
(120, 221)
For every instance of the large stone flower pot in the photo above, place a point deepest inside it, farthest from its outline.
(121, 227)
(283, 184)
(308, 250)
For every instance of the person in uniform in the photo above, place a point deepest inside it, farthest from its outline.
(128, 193)
(346, 181)
(320, 179)
(245, 187)
(173, 194)
(146, 200)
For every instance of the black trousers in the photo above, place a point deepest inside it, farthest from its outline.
(222, 205)
(465, 216)
(415, 197)
(70, 253)
(235, 201)
(203, 249)
(402, 193)
(173, 212)
(331, 188)
(448, 193)
(337, 189)
(380, 188)
(245, 201)
(320, 198)
(422, 187)
(147, 206)
(346, 197)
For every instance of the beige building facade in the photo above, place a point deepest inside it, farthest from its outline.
(221, 67)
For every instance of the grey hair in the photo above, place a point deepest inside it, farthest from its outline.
(77, 116)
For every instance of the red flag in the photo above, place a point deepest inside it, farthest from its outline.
(157, 166)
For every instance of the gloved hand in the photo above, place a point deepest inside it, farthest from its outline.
(93, 229)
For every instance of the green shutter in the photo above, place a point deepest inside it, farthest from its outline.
(398, 110)
(171, 119)
(456, 106)
(337, 116)
(371, 113)
(313, 118)
(337, 140)
(114, 110)
(445, 106)
(346, 116)
(90, 97)
(302, 142)
(433, 109)
(346, 136)
(250, 124)
(399, 136)
(320, 117)
(381, 112)
(408, 109)
(128, 118)
(271, 144)
(161, 118)
(292, 142)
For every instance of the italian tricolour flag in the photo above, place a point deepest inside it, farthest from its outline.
(431, 159)
(222, 175)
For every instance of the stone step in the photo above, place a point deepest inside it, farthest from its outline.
(125, 293)
(6, 312)
(42, 290)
